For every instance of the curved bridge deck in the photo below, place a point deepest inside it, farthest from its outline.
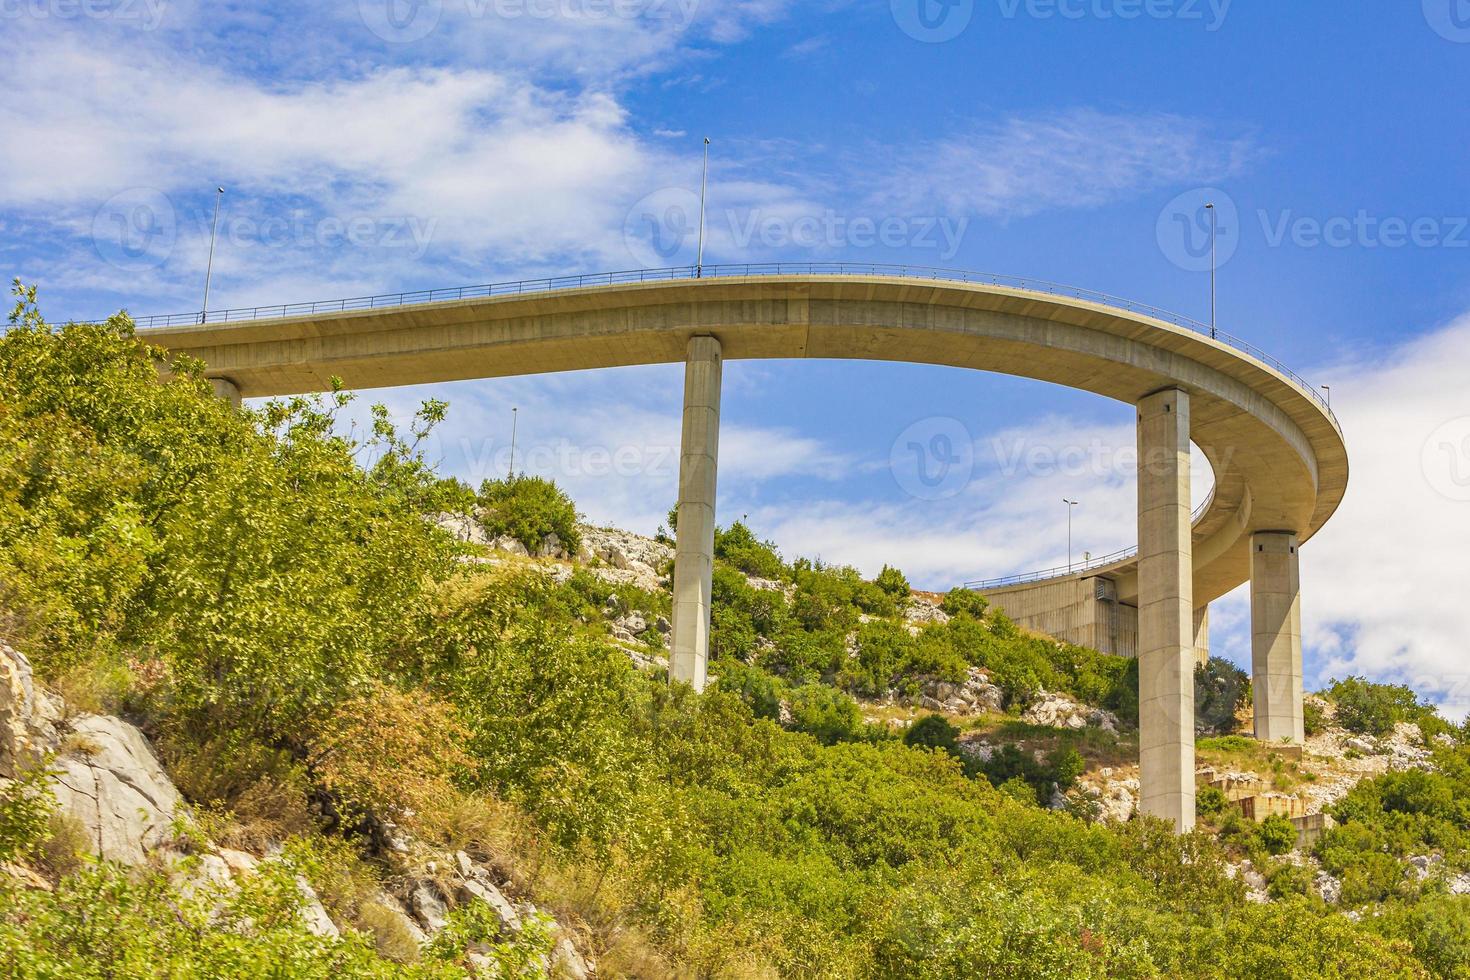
(1277, 452)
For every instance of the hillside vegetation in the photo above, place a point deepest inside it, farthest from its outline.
(323, 669)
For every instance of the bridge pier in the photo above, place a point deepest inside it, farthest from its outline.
(226, 390)
(1166, 624)
(1276, 637)
(1202, 635)
(694, 553)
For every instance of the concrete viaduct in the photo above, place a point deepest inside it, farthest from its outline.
(1279, 459)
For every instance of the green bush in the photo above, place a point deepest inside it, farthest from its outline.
(1220, 689)
(964, 602)
(529, 509)
(933, 732)
(1210, 802)
(826, 714)
(1277, 834)
(893, 583)
(738, 546)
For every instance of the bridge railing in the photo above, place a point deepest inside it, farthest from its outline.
(1076, 568)
(740, 270)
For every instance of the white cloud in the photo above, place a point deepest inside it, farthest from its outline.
(1073, 159)
(1384, 584)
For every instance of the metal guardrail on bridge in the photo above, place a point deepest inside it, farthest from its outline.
(1076, 568)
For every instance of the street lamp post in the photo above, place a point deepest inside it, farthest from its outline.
(513, 419)
(703, 189)
(1214, 266)
(1328, 389)
(209, 267)
(1070, 504)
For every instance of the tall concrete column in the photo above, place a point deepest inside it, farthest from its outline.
(1276, 637)
(225, 389)
(1202, 636)
(695, 552)
(1166, 633)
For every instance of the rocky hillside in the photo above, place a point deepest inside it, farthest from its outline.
(119, 806)
(278, 716)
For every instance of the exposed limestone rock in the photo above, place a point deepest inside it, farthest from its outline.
(1329, 887)
(313, 914)
(1112, 800)
(429, 907)
(975, 694)
(628, 558)
(28, 717)
(567, 963)
(922, 612)
(113, 784)
(1060, 711)
(976, 748)
(480, 888)
(509, 545)
(463, 528)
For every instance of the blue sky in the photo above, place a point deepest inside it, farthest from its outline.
(380, 145)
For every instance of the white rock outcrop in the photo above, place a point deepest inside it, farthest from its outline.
(1060, 711)
(110, 781)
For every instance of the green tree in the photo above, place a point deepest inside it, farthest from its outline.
(529, 509)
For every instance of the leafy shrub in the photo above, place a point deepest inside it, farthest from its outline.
(1287, 880)
(26, 804)
(1314, 719)
(1220, 689)
(964, 602)
(1277, 834)
(1008, 764)
(933, 732)
(1209, 801)
(893, 583)
(826, 714)
(739, 546)
(1373, 709)
(529, 508)
(389, 753)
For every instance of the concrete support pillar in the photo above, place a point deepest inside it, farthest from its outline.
(225, 389)
(1276, 637)
(695, 552)
(1202, 636)
(1165, 610)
